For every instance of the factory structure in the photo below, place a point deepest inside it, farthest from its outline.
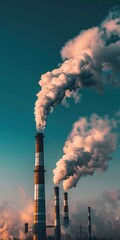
(39, 224)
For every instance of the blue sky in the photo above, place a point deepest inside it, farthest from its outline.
(32, 34)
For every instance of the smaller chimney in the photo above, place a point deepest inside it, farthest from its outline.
(57, 214)
(26, 228)
(89, 223)
(66, 215)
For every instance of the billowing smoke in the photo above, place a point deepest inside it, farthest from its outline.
(91, 60)
(86, 150)
(12, 219)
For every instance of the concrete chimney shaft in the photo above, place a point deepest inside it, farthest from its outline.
(57, 214)
(66, 215)
(39, 229)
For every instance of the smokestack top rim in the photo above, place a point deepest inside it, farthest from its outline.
(65, 193)
(56, 191)
(56, 187)
(39, 135)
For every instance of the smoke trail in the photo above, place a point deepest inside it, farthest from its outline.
(87, 149)
(91, 59)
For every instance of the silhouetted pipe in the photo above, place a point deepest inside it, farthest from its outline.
(26, 228)
(89, 223)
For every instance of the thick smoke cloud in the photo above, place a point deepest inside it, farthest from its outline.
(91, 60)
(12, 219)
(86, 150)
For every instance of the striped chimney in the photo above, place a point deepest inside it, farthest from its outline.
(57, 214)
(66, 215)
(89, 224)
(39, 191)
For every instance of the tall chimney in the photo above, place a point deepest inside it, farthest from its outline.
(89, 223)
(39, 232)
(66, 215)
(57, 214)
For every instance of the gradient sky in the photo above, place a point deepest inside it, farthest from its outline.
(32, 34)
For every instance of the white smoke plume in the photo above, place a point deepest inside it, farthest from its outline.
(86, 150)
(91, 59)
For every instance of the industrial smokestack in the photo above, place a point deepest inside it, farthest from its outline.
(66, 215)
(26, 228)
(89, 224)
(39, 191)
(57, 214)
